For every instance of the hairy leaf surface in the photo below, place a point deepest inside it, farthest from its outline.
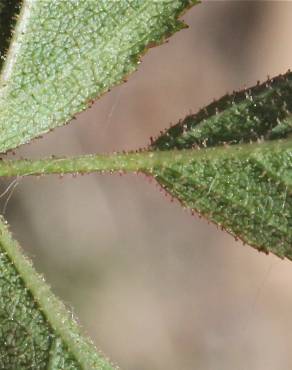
(36, 330)
(242, 180)
(63, 55)
(66, 53)
(231, 162)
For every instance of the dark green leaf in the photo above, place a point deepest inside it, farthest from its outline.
(242, 180)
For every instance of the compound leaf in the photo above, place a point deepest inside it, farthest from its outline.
(231, 162)
(63, 54)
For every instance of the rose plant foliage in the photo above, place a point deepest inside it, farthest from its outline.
(231, 161)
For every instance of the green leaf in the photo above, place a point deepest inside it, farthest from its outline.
(36, 330)
(231, 162)
(64, 54)
(246, 189)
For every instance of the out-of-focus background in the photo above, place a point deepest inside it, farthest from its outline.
(155, 287)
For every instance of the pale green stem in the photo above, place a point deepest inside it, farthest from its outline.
(52, 308)
(143, 161)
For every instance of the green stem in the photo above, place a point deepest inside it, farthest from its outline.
(143, 161)
(53, 309)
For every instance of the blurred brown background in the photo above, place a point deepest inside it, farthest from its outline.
(153, 286)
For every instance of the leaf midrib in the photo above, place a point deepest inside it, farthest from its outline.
(54, 310)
